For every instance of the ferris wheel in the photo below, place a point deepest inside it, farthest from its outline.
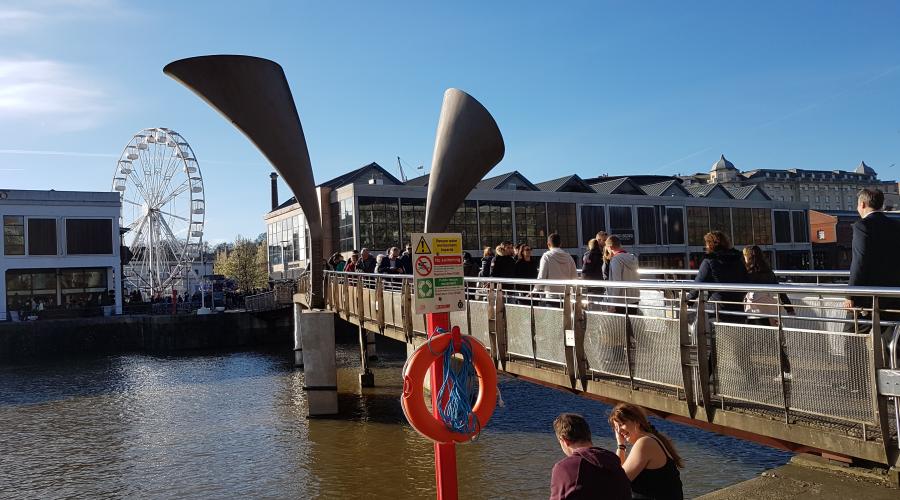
(163, 209)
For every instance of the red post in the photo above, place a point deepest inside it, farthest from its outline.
(444, 453)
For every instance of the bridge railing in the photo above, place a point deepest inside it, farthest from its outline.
(808, 360)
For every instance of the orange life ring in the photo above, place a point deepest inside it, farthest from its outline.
(413, 400)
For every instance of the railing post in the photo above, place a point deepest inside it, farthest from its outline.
(781, 359)
(379, 303)
(687, 364)
(499, 336)
(360, 299)
(629, 338)
(406, 308)
(703, 358)
(876, 362)
(579, 325)
(345, 296)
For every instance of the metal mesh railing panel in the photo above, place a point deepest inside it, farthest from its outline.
(824, 383)
(656, 353)
(518, 330)
(604, 343)
(549, 335)
(478, 316)
(652, 304)
(458, 318)
(746, 363)
(820, 314)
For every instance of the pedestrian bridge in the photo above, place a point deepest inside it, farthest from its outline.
(711, 371)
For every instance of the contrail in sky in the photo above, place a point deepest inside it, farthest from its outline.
(793, 113)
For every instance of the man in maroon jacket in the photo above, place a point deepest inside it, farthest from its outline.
(587, 471)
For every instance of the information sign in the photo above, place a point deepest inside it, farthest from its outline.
(438, 272)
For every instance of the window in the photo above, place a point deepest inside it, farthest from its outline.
(820, 234)
(647, 226)
(593, 220)
(495, 222)
(41, 236)
(762, 226)
(782, 226)
(465, 222)
(720, 220)
(13, 235)
(675, 226)
(274, 245)
(379, 222)
(743, 226)
(342, 225)
(412, 217)
(561, 219)
(801, 230)
(621, 225)
(89, 236)
(531, 223)
(698, 225)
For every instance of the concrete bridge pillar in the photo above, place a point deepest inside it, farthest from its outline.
(366, 377)
(320, 366)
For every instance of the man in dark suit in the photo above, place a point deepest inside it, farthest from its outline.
(876, 243)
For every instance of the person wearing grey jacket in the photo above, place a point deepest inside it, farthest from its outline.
(623, 266)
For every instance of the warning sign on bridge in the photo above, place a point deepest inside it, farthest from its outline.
(438, 272)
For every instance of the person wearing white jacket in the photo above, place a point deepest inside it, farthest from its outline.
(556, 264)
(623, 266)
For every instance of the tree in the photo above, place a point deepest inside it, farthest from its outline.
(260, 239)
(241, 264)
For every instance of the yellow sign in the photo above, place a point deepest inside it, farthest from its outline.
(447, 246)
(422, 247)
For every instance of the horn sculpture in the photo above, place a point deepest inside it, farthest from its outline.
(467, 146)
(254, 95)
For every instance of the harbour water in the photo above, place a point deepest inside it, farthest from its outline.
(231, 424)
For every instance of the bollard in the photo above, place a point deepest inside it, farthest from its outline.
(319, 364)
(298, 340)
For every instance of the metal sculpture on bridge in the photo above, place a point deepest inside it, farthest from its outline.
(254, 95)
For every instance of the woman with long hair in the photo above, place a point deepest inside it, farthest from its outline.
(761, 305)
(723, 264)
(653, 463)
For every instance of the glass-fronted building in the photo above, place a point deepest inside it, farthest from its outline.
(657, 218)
(59, 254)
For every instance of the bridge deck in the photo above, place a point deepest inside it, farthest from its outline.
(708, 370)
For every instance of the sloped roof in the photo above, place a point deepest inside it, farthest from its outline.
(498, 180)
(744, 192)
(865, 169)
(567, 183)
(704, 190)
(661, 187)
(421, 180)
(354, 175)
(290, 201)
(623, 185)
(722, 164)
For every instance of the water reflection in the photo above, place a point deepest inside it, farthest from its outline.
(232, 424)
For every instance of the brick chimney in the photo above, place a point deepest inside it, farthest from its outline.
(274, 178)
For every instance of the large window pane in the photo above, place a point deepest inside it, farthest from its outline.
(593, 220)
(561, 219)
(647, 226)
(13, 235)
(412, 217)
(41, 236)
(801, 229)
(782, 226)
(743, 226)
(495, 222)
(621, 225)
(720, 220)
(762, 226)
(698, 225)
(89, 236)
(379, 223)
(675, 226)
(465, 222)
(531, 223)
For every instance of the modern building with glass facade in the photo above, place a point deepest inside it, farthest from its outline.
(60, 253)
(657, 218)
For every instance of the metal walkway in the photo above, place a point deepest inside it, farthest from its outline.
(710, 371)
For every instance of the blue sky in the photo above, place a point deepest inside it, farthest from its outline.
(583, 87)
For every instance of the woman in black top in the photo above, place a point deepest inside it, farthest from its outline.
(503, 266)
(759, 273)
(592, 262)
(653, 463)
(526, 266)
(723, 264)
(486, 259)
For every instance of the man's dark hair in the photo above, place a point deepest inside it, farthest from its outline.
(554, 240)
(873, 198)
(572, 427)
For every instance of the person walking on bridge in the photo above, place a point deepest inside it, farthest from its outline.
(588, 471)
(556, 264)
(723, 264)
(623, 266)
(876, 239)
(366, 262)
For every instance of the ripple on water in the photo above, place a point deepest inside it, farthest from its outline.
(232, 424)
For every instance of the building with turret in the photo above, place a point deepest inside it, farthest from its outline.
(822, 189)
